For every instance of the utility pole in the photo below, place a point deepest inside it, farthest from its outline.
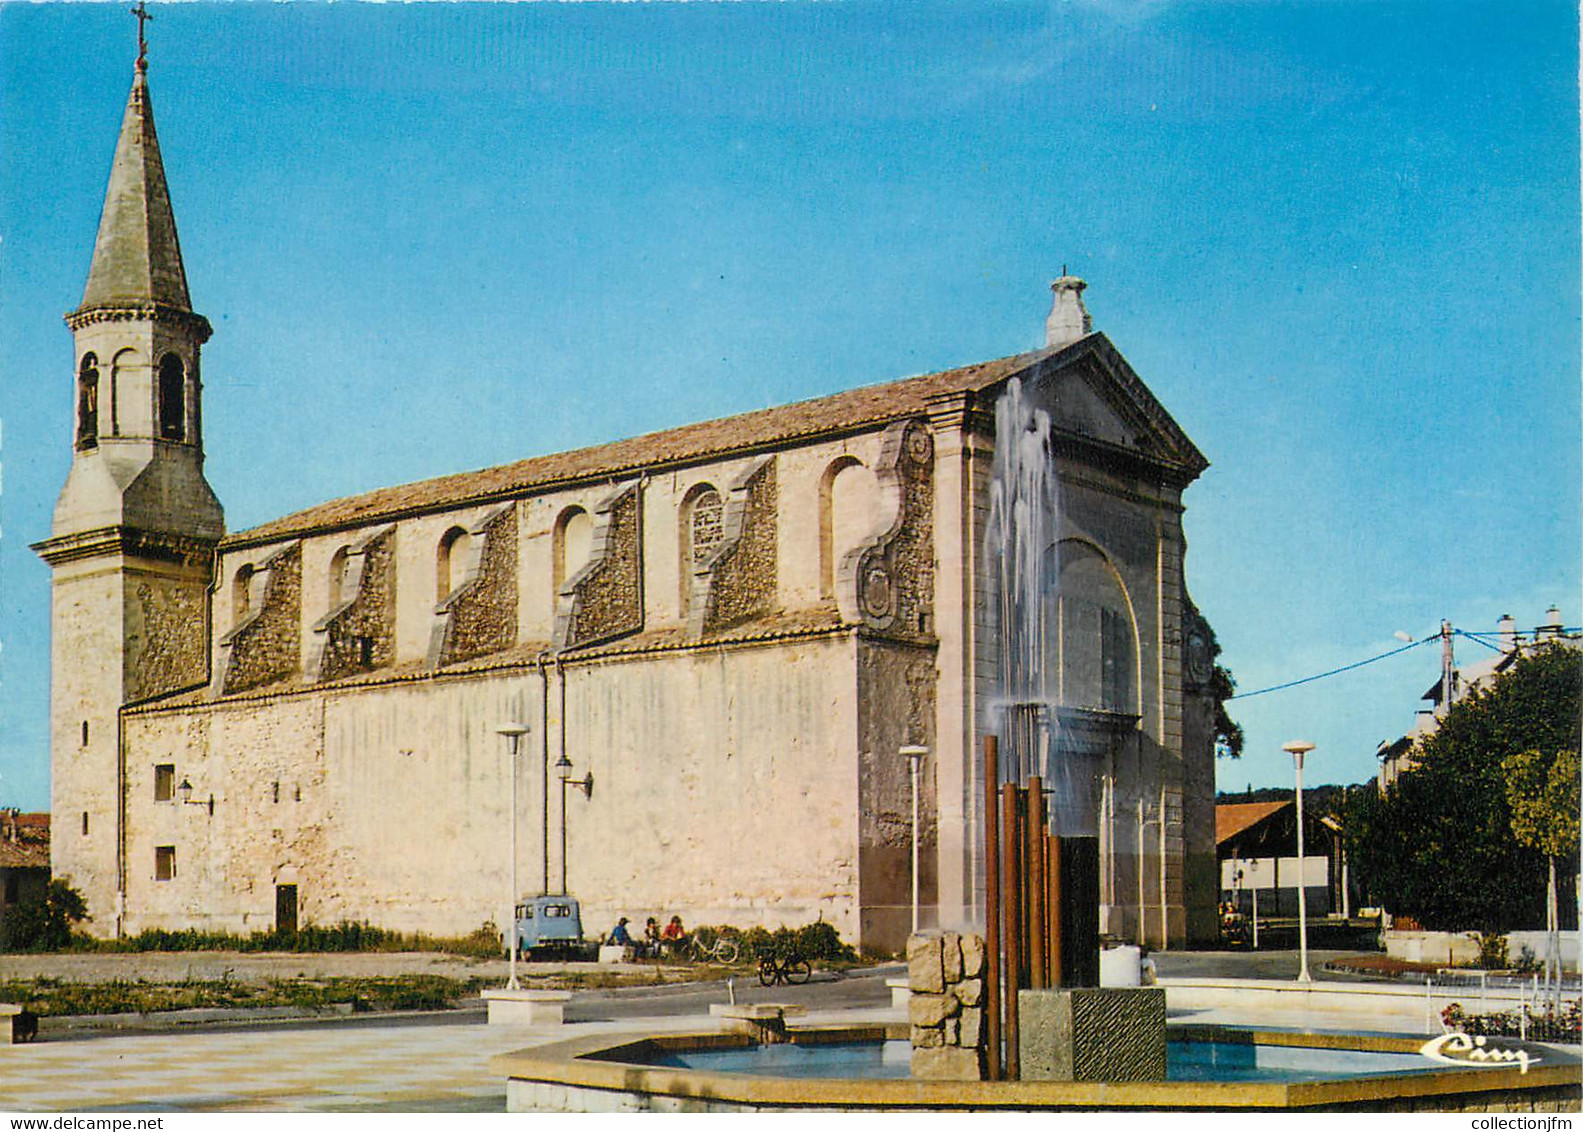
(1447, 670)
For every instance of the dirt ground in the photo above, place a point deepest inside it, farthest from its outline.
(260, 967)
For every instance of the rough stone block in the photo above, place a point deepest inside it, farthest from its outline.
(925, 969)
(971, 1031)
(949, 1063)
(969, 991)
(1092, 1034)
(927, 1037)
(953, 1031)
(931, 1009)
(951, 957)
(972, 956)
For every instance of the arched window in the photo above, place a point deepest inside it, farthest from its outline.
(849, 512)
(121, 366)
(241, 594)
(172, 397)
(447, 562)
(88, 403)
(702, 525)
(574, 533)
(337, 577)
(1098, 634)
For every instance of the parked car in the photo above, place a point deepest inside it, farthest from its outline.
(551, 927)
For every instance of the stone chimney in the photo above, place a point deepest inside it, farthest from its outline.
(1552, 626)
(1068, 319)
(1507, 627)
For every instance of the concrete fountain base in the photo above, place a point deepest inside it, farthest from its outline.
(1092, 1034)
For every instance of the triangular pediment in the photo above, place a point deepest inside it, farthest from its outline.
(1095, 397)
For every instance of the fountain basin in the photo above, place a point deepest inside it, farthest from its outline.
(628, 1073)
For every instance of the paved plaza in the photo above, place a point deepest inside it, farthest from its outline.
(440, 1062)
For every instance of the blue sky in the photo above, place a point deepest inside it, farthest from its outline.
(1339, 240)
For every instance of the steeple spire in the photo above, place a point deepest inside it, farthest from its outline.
(136, 258)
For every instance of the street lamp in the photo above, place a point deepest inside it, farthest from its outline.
(514, 732)
(586, 785)
(914, 757)
(1297, 748)
(185, 790)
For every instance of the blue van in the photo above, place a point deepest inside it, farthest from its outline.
(550, 925)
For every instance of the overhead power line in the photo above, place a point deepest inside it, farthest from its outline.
(1382, 656)
(1333, 671)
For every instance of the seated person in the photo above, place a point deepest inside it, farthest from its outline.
(675, 936)
(651, 938)
(619, 936)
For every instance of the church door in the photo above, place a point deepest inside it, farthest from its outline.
(286, 909)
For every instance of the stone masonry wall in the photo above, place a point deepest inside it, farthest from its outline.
(741, 576)
(483, 614)
(266, 648)
(368, 615)
(945, 973)
(168, 623)
(605, 598)
(890, 580)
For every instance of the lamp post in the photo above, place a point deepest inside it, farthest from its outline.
(1297, 748)
(513, 732)
(586, 785)
(914, 757)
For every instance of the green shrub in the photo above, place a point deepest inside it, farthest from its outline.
(43, 920)
(1492, 951)
(818, 940)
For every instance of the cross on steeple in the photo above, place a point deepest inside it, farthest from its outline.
(142, 14)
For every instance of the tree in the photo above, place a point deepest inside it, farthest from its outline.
(1439, 844)
(1542, 790)
(1228, 732)
(43, 920)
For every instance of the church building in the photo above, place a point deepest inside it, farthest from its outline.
(717, 637)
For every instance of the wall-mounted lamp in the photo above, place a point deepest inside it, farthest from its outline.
(185, 790)
(586, 785)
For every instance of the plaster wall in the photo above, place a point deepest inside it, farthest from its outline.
(391, 803)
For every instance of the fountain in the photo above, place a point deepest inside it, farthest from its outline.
(1015, 1019)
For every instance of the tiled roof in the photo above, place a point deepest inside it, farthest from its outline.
(31, 848)
(855, 408)
(1234, 817)
(24, 855)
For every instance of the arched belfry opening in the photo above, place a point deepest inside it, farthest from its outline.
(88, 403)
(172, 398)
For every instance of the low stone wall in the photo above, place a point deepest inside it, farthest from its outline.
(945, 978)
(1456, 949)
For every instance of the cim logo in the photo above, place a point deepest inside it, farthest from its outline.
(1457, 1048)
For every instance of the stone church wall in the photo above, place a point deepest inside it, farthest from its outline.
(84, 694)
(389, 803)
(896, 708)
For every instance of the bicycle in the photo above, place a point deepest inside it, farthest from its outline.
(789, 970)
(724, 950)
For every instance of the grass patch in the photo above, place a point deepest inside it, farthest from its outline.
(51, 997)
(482, 943)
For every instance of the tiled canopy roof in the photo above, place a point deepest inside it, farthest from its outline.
(1235, 817)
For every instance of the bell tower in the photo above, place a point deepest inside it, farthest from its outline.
(132, 542)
